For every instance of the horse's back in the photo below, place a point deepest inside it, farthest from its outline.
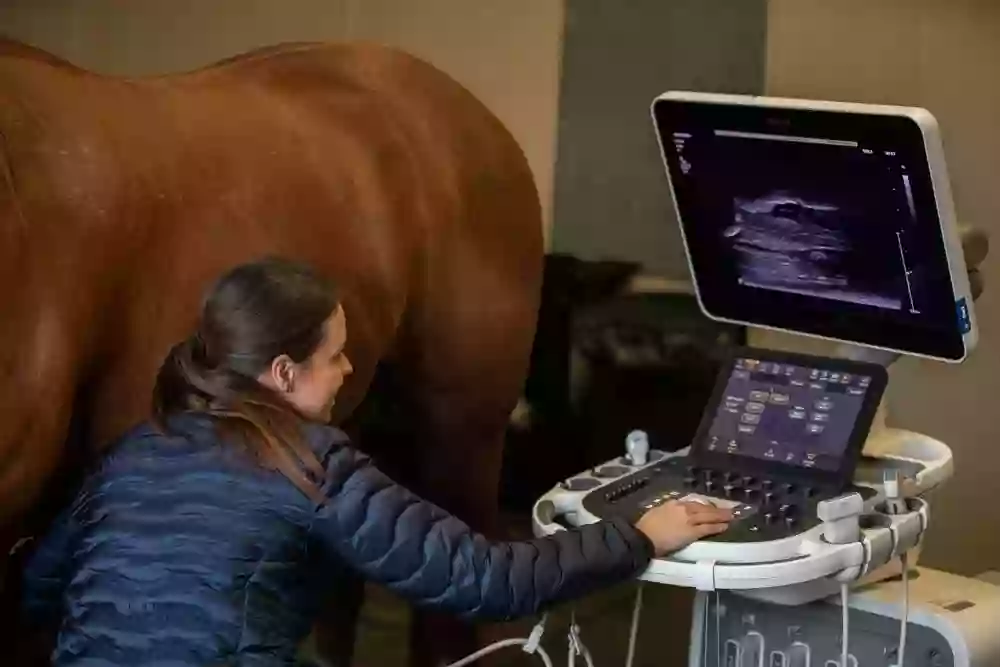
(361, 159)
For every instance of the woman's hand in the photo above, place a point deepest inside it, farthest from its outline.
(975, 246)
(676, 524)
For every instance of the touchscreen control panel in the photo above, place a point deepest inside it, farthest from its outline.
(781, 433)
(788, 413)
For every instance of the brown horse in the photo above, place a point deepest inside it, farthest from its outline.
(121, 199)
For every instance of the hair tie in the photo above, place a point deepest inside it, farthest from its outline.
(199, 349)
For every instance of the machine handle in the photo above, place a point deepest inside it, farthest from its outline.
(545, 513)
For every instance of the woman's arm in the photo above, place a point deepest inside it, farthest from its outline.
(45, 570)
(429, 557)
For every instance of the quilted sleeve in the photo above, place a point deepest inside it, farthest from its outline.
(432, 559)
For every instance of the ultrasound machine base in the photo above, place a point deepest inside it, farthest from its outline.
(779, 562)
(951, 624)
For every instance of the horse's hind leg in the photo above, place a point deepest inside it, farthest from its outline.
(470, 335)
(465, 407)
(382, 427)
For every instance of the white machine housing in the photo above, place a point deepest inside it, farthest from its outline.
(951, 622)
(793, 570)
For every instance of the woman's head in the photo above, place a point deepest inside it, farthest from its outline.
(268, 351)
(280, 323)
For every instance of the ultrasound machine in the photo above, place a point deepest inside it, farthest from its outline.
(834, 222)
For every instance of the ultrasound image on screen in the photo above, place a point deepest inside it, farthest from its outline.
(821, 219)
(785, 242)
(788, 414)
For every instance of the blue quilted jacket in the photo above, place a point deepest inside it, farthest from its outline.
(179, 551)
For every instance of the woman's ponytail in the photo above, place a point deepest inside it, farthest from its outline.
(253, 314)
(188, 381)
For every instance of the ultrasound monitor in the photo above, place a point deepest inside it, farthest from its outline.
(825, 219)
(788, 415)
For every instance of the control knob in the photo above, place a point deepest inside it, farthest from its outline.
(637, 448)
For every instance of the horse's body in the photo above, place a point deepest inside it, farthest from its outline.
(121, 200)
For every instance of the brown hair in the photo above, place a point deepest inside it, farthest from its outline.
(254, 313)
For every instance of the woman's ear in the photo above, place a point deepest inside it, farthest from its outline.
(283, 373)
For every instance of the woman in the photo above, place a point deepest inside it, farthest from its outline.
(208, 535)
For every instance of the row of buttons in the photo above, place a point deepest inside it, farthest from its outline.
(626, 488)
(659, 500)
(732, 483)
(758, 399)
(739, 511)
(787, 514)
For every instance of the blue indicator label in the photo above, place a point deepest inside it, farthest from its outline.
(964, 322)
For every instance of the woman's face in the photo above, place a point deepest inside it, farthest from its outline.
(312, 385)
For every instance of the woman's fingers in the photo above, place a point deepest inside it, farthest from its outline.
(699, 514)
(705, 529)
(975, 283)
(975, 245)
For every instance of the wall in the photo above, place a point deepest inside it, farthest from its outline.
(611, 198)
(943, 55)
(506, 53)
(148, 36)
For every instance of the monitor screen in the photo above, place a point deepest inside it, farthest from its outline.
(786, 413)
(816, 222)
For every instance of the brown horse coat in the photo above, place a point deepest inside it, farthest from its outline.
(121, 199)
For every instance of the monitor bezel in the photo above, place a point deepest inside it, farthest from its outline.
(838, 120)
(836, 479)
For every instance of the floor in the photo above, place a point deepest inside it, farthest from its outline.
(604, 621)
(604, 618)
